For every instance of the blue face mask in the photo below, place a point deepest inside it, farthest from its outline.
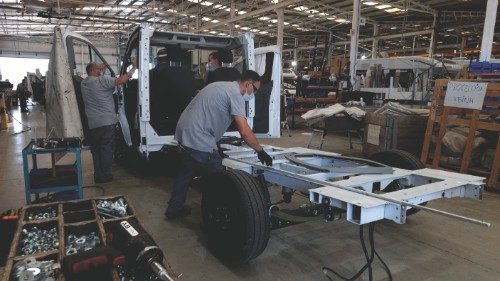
(248, 96)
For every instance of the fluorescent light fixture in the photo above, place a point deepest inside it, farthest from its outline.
(331, 18)
(236, 26)
(286, 23)
(241, 12)
(206, 19)
(206, 3)
(341, 20)
(215, 21)
(295, 25)
(301, 8)
(254, 30)
(264, 18)
(245, 28)
(363, 57)
(274, 20)
(213, 32)
(370, 3)
(263, 32)
(217, 6)
(393, 27)
(383, 6)
(393, 10)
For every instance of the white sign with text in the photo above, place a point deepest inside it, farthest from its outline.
(465, 94)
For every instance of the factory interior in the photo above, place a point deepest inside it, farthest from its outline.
(148, 140)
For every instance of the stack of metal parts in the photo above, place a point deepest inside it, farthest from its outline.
(30, 269)
(113, 209)
(76, 244)
(47, 214)
(36, 240)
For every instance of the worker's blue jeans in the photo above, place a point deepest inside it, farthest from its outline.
(193, 163)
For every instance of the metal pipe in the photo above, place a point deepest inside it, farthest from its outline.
(362, 192)
(353, 55)
(488, 30)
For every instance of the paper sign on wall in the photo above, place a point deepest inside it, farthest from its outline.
(373, 135)
(465, 94)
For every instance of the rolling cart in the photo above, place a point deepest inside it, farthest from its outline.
(57, 178)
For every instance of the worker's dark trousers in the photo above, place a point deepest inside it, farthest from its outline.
(193, 163)
(102, 144)
(23, 103)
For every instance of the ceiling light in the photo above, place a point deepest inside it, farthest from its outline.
(393, 27)
(301, 8)
(263, 32)
(295, 25)
(264, 18)
(206, 3)
(274, 20)
(255, 30)
(206, 19)
(286, 23)
(370, 3)
(213, 32)
(215, 21)
(340, 20)
(245, 28)
(331, 18)
(393, 10)
(241, 12)
(383, 6)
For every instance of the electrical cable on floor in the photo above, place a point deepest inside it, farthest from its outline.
(28, 128)
(369, 258)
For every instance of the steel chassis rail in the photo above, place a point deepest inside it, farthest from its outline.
(317, 173)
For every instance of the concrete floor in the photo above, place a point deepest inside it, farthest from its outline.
(427, 247)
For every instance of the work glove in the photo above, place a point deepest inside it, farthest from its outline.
(265, 158)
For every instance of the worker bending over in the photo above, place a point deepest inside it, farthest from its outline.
(202, 125)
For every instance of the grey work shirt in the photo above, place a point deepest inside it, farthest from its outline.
(97, 94)
(209, 114)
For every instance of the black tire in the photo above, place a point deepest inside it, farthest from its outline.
(399, 159)
(235, 215)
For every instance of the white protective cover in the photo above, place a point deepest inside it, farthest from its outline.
(61, 104)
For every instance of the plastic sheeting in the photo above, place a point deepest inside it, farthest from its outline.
(61, 106)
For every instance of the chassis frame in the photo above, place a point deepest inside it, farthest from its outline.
(354, 192)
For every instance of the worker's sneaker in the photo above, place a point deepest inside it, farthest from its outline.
(184, 211)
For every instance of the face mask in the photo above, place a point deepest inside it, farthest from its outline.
(209, 67)
(248, 96)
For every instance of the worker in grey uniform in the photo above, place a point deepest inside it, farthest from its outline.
(97, 94)
(202, 124)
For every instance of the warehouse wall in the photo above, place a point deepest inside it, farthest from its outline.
(41, 47)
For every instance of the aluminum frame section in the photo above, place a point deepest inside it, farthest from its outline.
(345, 190)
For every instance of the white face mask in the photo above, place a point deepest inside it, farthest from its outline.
(209, 66)
(248, 96)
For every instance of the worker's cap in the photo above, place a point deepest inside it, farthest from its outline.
(161, 53)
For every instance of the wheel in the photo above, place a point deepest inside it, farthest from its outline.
(235, 215)
(398, 159)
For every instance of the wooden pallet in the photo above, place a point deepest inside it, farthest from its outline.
(444, 116)
(71, 217)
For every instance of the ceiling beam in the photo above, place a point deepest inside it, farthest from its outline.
(250, 14)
